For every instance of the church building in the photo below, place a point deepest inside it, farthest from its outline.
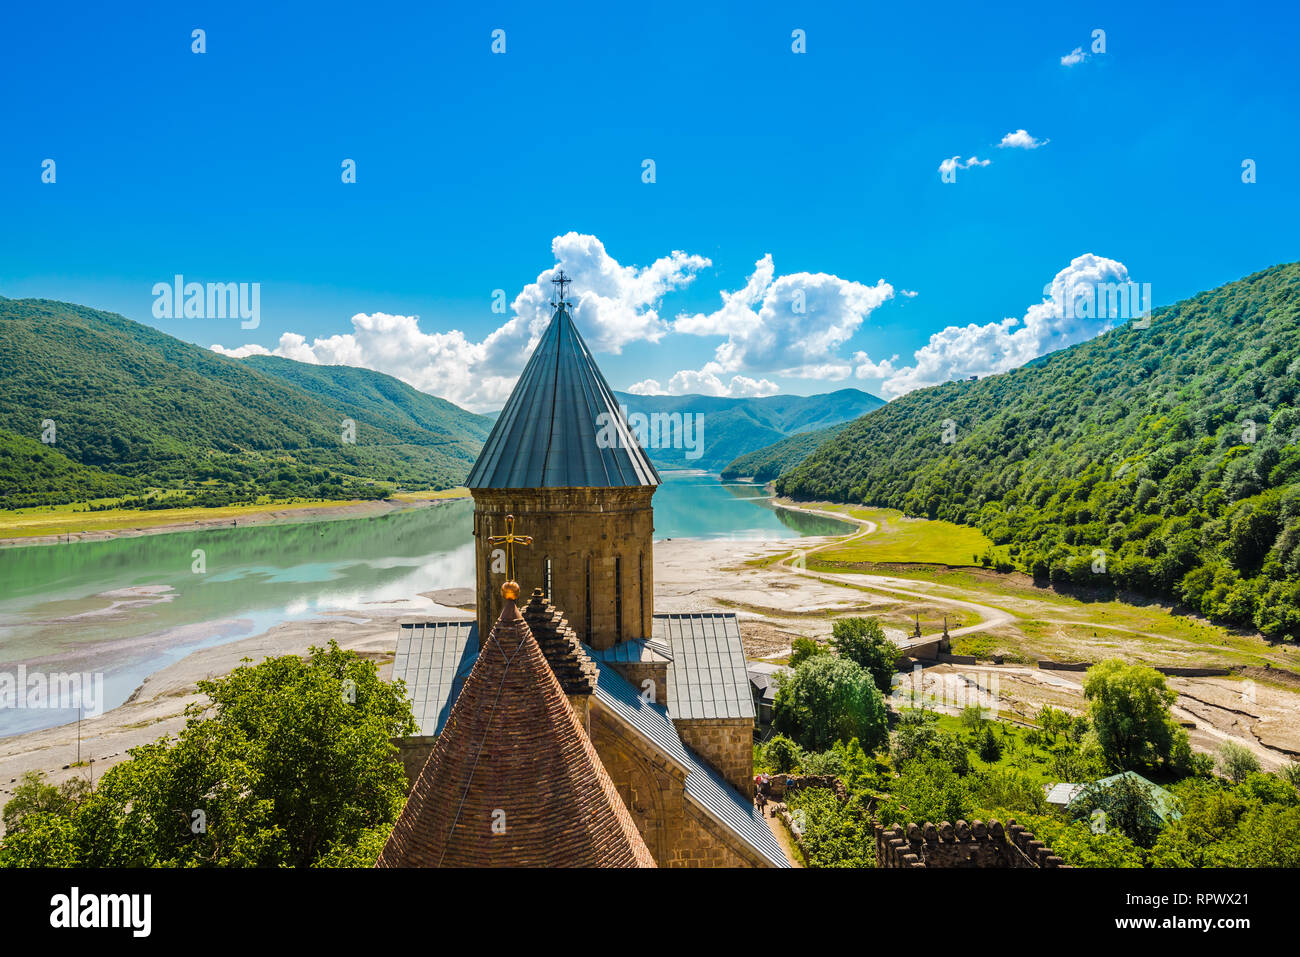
(651, 762)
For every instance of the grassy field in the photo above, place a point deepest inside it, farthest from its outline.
(901, 539)
(1018, 755)
(74, 518)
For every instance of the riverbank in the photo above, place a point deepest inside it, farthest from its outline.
(60, 525)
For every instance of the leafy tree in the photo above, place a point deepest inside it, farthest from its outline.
(918, 736)
(863, 640)
(989, 748)
(782, 754)
(801, 649)
(1252, 824)
(46, 839)
(828, 699)
(289, 764)
(1129, 709)
(830, 761)
(833, 834)
(1291, 772)
(1011, 789)
(1128, 806)
(927, 789)
(33, 796)
(1053, 721)
(1236, 761)
(1075, 842)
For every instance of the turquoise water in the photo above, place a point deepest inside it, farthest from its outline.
(126, 608)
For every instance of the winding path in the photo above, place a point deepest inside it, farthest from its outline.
(990, 617)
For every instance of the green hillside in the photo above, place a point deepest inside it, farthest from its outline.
(402, 410)
(138, 410)
(735, 427)
(1166, 458)
(766, 464)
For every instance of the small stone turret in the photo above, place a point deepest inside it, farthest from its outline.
(575, 671)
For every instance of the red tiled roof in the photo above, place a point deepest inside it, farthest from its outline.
(513, 780)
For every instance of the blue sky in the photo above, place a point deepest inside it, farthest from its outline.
(225, 167)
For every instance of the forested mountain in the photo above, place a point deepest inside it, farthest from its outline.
(402, 409)
(765, 464)
(1164, 460)
(135, 409)
(734, 427)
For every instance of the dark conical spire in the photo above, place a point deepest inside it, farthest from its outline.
(555, 429)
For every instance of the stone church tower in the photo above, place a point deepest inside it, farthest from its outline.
(562, 460)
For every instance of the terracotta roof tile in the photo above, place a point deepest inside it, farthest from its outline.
(513, 754)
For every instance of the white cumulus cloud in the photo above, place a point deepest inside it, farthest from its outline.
(1021, 140)
(614, 305)
(1074, 56)
(792, 325)
(957, 352)
(691, 382)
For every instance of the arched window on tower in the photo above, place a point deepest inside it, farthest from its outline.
(640, 585)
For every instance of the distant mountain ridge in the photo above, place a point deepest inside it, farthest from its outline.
(1164, 460)
(733, 427)
(136, 409)
(769, 462)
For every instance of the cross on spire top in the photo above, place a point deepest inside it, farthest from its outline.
(561, 280)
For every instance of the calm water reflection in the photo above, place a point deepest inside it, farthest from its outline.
(127, 607)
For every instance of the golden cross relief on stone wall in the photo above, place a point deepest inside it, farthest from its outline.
(510, 540)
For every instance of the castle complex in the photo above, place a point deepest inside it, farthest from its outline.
(576, 728)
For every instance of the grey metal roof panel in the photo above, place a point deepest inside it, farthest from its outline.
(703, 784)
(707, 677)
(636, 651)
(433, 659)
(548, 432)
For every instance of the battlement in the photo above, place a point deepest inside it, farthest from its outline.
(962, 845)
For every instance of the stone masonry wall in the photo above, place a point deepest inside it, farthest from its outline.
(963, 845)
(414, 752)
(654, 789)
(727, 744)
(607, 527)
(638, 672)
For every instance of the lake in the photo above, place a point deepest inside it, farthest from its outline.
(127, 607)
